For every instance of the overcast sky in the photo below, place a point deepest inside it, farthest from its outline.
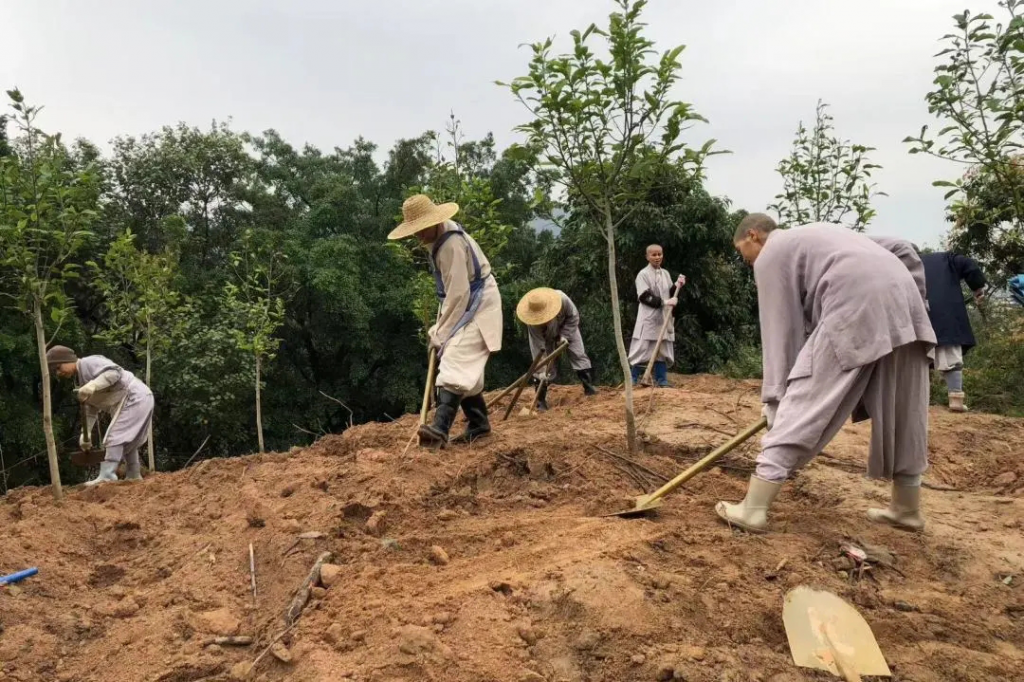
(326, 71)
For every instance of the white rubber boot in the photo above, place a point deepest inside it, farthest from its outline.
(752, 513)
(956, 401)
(108, 473)
(132, 467)
(904, 509)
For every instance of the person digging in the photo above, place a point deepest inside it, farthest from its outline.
(469, 323)
(104, 386)
(657, 297)
(550, 317)
(844, 331)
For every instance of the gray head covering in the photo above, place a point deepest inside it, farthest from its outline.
(59, 355)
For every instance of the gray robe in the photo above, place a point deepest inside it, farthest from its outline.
(129, 402)
(544, 338)
(649, 320)
(843, 324)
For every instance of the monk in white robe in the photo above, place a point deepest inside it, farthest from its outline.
(655, 293)
(104, 386)
(843, 328)
(469, 323)
(551, 317)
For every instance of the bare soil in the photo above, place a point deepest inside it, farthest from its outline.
(493, 562)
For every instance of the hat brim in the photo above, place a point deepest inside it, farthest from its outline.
(436, 216)
(532, 317)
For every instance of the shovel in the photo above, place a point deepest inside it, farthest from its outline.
(648, 503)
(428, 392)
(826, 633)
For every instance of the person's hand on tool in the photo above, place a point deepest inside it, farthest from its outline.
(979, 297)
(86, 391)
(82, 442)
(768, 411)
(432, 339)
(672, 301)
(680, 281)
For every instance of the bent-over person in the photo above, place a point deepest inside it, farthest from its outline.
(654, 291)
(844, 329)
(104, 386)
(551, 317)
(469, 322)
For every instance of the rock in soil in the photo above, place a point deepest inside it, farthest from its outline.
(281, 653)
(329, 574)
(439, 556)
(376, 524)
(219, 622)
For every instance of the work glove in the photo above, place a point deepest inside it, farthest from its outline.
(768, 411)
(86, 392)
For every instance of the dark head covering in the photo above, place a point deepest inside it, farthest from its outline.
(59, 355)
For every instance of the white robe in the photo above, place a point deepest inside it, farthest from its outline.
(649, 320)
(129, 402)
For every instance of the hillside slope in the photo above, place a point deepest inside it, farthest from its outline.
(532, 584)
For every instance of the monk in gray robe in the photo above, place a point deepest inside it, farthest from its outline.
(104, 386)
(551, 317)
(469, 322)
(655, 293)
(843, 328)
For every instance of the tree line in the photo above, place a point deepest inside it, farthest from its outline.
(249, 281)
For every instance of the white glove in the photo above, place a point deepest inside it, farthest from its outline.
(672, 301)
(86, 392)
(768, 411)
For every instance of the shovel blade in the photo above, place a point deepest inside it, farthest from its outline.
(644, 505)
(821, 626)
(87, 458)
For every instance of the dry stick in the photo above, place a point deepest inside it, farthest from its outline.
(196, 452)
(330, 397)
(536, 396)
(270, 646)
(291, 615)
(534, 368)
(239, 640)
(629, 461)
(667, 315)
(252, 571)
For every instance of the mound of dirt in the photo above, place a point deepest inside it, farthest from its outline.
(493, 562)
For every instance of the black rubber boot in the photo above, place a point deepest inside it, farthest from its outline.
(587, 380)
(542, 398)
(436, 434)
(475, 409)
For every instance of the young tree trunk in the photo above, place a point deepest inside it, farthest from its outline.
(51, 445)
(259, 409)
(149, 376)
(620, 346)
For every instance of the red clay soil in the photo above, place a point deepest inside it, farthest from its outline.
(492, 562)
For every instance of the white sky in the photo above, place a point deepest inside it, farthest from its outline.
(326, 71)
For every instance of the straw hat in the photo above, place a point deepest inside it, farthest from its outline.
(539, 306)
(420, 213)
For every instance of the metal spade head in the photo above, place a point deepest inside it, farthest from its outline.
(88, 458)
(644, 505)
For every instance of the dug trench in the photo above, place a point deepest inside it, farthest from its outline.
(494, 562)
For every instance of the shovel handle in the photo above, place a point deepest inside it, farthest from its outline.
(431, 377)
(708, 459)
(535, 367)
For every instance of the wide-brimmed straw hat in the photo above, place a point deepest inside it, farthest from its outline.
(539, 306)
(420, 213)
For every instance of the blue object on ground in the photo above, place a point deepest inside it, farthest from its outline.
(18, 577)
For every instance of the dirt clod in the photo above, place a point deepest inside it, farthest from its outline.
(376, 525)
(439, 556)
(329, 575)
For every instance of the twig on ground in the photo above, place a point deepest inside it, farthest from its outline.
(252, 571)
(631, 462)
(238, 640)
(270, 646)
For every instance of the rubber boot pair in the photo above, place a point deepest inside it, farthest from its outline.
(587, 379)
(436, 434)
(478, 426)
(752, 513)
